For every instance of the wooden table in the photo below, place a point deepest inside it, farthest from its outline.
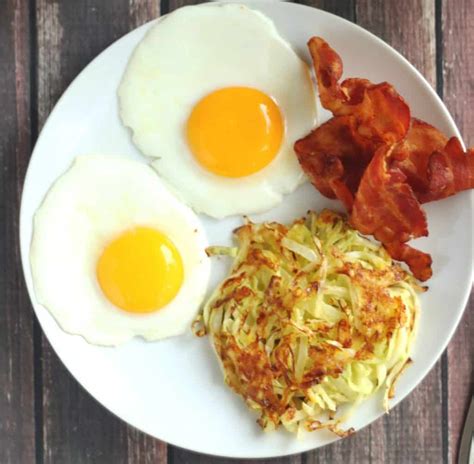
(45, 416)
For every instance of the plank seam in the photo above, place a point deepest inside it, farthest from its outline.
(439, 47)
(170, 454)
(164, 7)
(444, 357)
(38, 391)
(444, 406)
(37, 333)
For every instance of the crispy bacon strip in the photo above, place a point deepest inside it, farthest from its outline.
(412, 155)
(450, 170)
(380, 112)
(335, 156)
(418, 261)
(386, 207)
(435, 166)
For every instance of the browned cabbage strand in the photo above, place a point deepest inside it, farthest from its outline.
(313, 316)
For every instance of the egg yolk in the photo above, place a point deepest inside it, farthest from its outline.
(235, 131)
(140, 271)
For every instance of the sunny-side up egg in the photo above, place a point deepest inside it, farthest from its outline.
(218, 98)
(115, 255)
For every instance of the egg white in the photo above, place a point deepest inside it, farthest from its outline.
(96, 200)
(185, 56)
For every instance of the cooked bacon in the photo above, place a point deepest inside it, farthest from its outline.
(435, 166)
(335, 156)
(412, 155)
(418, 261)
(450, 170)
(378, 161)
(380, 112)
(386, 207)
(328, 67)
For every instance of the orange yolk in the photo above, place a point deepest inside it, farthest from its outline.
(140, 271)
(235, 131)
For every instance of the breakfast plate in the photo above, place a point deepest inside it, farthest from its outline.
(170, 388)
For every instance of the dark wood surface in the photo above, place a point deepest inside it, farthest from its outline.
(45, 416)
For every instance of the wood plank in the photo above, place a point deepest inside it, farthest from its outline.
(345, 9)
(408, 26)
(167, 6)
(457, 39)
(460, 378)
(76, 429)
(17, 424)
(413, 430)
(181, 456)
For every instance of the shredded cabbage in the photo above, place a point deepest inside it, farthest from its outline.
(312, 320)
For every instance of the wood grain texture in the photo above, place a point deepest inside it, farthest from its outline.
(457, 29)
(460, 378)
(167, 6)
(457, 26)
(17, 424)
(406, 25)
(346, 8)
(76, 429)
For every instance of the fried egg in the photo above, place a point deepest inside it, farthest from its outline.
(216, 96)
(115, 255)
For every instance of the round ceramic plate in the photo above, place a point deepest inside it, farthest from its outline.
(171, 388)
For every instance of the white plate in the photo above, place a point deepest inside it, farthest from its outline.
(173, 389)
